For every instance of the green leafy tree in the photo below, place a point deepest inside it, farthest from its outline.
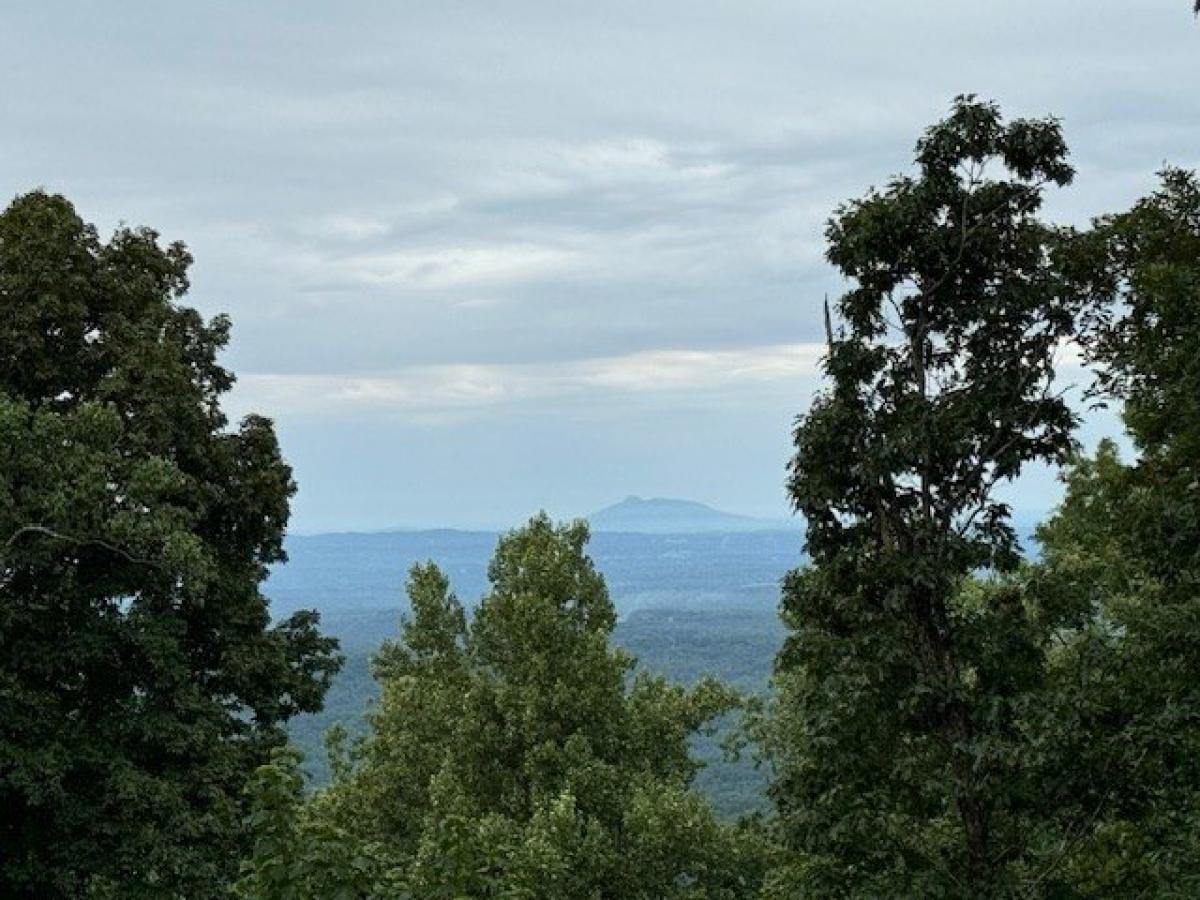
(297, 856)
(515, 756)
(1122, 564)
(902, 685)
(141, 680)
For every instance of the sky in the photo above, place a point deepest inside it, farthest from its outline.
(484, 258)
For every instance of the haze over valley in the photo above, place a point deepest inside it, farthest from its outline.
(696, 589)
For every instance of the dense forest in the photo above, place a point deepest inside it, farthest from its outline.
(946, 717)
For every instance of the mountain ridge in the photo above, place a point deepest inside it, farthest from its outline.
(666, 515)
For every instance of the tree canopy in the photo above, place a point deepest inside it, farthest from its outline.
(950, 721)
(1122, 561)
(141, 679)
(898, 694)
(514, 755)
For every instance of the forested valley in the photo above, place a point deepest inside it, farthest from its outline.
(949, 714)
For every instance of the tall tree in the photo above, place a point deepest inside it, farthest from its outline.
(898, 690)
(141, 679)
(514, 756)
(1122, 560)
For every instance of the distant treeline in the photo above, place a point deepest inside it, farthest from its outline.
(947, 718)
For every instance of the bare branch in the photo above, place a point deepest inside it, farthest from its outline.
(78, 541)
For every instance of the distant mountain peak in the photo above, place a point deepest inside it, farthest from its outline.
(666, 515)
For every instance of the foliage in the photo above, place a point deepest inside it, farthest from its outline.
(950, 723)
(513, 755)
(140, 679)
(1122, 563)
(297, 856)
(901, 687)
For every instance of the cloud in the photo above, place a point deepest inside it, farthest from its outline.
(344, 226)
(454, 266)
(459, 392)
(557, 209)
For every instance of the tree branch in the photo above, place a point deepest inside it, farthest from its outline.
(78, 541)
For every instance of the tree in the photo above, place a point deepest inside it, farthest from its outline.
(297, 856)
(141, 679)
(1122, 560)
(901, 684)
(514, 756)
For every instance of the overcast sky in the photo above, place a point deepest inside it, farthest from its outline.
(487, 257)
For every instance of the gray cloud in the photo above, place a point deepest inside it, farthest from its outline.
(381, 194)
